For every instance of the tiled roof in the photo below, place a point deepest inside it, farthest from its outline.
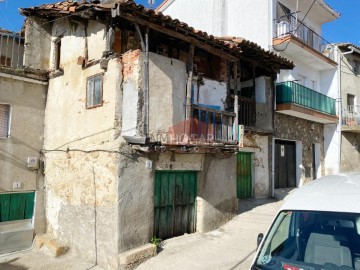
(129, 7)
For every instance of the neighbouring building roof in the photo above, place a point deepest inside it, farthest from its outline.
(244, 48)
(346, 45)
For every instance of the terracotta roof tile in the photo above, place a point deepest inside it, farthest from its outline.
(233, 44)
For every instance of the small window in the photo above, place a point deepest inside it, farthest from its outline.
(94, 93)
(356, 68)
(57, 53)
(4, 120)
(350, 102)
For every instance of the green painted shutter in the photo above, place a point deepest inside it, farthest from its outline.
(16, 206)
(174, 203)
(244, 176)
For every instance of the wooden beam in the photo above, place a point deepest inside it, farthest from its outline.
(184, 37)
(236, 100)
(190, 68)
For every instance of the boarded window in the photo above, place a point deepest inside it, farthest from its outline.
(4, 120)
(94, 91)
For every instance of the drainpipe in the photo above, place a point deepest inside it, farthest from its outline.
(340, 109)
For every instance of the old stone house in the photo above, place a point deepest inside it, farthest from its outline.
(142, 123)
(305, 144)
(22, 109)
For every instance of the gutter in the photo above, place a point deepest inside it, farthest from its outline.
(352, 50)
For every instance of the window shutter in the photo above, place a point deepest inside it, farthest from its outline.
(90, 91)
(4, 120)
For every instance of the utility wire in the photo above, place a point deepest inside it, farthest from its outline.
(302, 22)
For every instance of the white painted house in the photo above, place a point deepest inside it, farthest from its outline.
(305, 144)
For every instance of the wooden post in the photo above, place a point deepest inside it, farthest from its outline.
(236, 101)
(190, 67)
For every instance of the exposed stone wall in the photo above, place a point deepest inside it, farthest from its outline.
(308, 132)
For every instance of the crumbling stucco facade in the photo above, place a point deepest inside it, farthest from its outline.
(123, 109)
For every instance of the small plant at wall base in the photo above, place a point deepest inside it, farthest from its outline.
(156, 241)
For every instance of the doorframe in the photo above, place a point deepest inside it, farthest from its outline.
(298, 161)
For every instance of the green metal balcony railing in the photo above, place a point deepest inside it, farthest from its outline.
(291, 92)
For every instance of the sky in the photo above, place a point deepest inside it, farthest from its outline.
(345, 29)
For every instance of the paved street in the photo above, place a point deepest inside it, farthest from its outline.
(230, 247)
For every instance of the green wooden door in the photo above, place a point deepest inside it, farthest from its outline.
(174, 202)
(16, 206)
(244, 178)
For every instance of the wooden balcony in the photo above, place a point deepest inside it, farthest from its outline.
(211, 126)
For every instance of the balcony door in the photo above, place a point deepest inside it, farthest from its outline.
(285, 164)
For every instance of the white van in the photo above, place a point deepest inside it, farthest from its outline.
(317, 228)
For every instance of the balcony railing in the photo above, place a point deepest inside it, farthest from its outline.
(210, 125)
(247, 112)
(288, 24)
(351, 116)
(291, 92)
(11, 49)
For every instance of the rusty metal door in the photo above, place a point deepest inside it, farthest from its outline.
(174, 202)
(244, 176)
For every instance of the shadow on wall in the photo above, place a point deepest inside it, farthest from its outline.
(11, 266)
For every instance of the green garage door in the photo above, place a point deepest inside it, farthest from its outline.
(244, 178)
(16, 206)
(174, 201)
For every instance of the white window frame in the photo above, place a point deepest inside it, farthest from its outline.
(8, 122)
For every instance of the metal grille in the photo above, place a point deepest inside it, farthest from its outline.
(11, 49)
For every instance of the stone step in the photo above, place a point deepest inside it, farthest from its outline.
(47, 244)
(132, 258)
